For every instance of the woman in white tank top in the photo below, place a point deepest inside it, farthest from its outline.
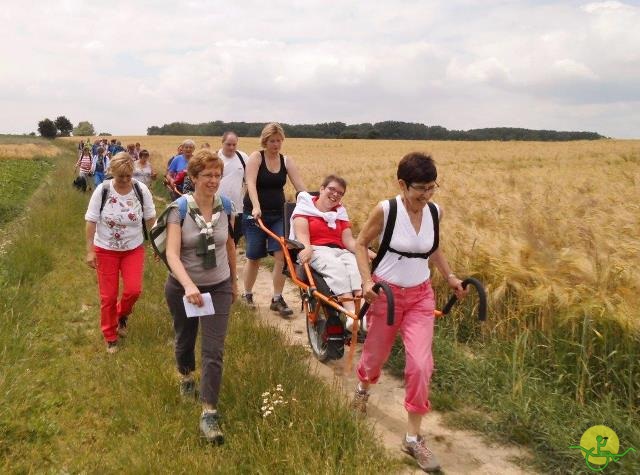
(404, 266)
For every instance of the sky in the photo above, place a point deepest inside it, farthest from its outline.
(127, 65)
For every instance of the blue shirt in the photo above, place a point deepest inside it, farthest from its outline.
(178, 164)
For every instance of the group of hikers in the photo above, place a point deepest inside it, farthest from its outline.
(218, 196)
(93, 161)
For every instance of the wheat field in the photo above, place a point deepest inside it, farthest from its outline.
(551, 228)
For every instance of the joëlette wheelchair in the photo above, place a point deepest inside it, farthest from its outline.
(326, 317)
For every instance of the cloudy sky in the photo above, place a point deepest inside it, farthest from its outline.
(126, 65)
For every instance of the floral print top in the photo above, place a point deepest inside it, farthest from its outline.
(119, 226)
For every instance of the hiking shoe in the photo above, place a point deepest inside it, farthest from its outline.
(188, 389)
(248, 300)
(122, 327)
(280, 306)
(210, 428)
(359, 402)
(112, 347)
(423, 455)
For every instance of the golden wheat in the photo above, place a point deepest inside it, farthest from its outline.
(552, 228)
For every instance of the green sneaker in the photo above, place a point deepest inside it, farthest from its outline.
(210, 427)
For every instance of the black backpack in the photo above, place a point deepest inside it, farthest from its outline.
(388, 233)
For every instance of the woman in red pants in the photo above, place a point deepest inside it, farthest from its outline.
(115, 237)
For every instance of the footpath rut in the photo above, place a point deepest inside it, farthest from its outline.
(459, 451)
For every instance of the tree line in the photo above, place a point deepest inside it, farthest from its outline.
(62, 127)
(390, 129)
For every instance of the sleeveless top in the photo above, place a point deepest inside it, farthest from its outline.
(270, 188)
(399, 270)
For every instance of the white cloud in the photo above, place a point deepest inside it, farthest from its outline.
(459, 64)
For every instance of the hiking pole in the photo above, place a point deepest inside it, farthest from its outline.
(482, 298)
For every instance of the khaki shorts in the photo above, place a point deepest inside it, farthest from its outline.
(338, 268)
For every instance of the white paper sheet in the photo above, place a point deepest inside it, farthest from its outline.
(206, 310)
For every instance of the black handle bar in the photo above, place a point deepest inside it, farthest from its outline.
(482, 297)
(390, 302)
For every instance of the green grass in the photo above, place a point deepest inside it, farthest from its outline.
(18, 180)
(519, 391)
(69, 407)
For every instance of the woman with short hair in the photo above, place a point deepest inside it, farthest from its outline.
(201, 255)
(143, 170)
(404, 267)
(114, 239)
(266, 173)
(322, 224)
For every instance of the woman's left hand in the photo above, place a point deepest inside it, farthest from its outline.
(371, 255)
(456, 285)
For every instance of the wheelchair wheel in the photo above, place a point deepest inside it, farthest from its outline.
(326, 335)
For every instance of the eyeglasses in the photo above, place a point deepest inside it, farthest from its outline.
(209, 176)
(335, 191)
(425, 189)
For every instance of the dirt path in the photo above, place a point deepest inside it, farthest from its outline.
(459, 452)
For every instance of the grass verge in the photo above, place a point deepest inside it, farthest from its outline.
(516, 391)
(70, 407)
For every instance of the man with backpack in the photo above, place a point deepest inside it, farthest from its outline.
(233, 184)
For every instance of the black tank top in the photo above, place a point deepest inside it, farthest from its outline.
(270, 187)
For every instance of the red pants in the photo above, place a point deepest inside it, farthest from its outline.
(110, 264)
(414, 319)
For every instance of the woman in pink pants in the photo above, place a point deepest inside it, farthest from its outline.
(404, 267)
(115, 236)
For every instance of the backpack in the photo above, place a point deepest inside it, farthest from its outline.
(158, 233)
(388, 233)
(137, 191)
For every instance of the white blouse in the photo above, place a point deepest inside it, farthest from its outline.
(403, 271)
(119, 226)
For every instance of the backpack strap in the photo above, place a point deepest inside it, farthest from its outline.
(105, 193)
(244, 165)
(388, 232)
(138, 192)
(436, 227)
(182, 208)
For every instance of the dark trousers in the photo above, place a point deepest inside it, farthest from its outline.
(213, 333)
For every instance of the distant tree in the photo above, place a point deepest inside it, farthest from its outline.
(47, 128)
(104, 134)
(64, 126)
(84, 128)
(32, 133)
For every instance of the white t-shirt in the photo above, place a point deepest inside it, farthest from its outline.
(142, 173)
(403, 271)
(232, 185)
(119, 226)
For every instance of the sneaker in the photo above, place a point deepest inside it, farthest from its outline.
(248, 300)
(210, 428)
(188, 389)
(112, 346)
(423, 455)
(122, 327)
(359, 402)
(281, 307)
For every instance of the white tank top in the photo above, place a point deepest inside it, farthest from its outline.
(404, 271)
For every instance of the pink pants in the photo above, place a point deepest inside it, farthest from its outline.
(414, 318)
(110, 264)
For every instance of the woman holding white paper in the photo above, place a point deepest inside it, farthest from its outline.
(201, 255)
